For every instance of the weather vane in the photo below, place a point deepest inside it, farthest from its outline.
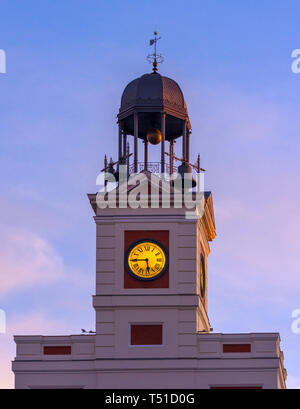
(155, 58)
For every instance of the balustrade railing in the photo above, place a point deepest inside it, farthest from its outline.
(153, 167)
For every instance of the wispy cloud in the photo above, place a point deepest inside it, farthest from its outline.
(30, 324)
(27, 259)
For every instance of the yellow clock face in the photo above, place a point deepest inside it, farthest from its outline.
(146, 259)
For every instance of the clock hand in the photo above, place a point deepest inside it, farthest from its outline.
(139, 259)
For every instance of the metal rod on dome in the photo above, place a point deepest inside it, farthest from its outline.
(124, 143)
(198, 173)
(146, 155)
(163, 137)
(171, 156)
(184, 141)
(187, 146)
(155, 58)
(105, 167)
(127, 158)
(120, 142)
(136, 135)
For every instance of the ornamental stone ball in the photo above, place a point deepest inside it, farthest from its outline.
(154, 136)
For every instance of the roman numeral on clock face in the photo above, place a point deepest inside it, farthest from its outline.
(146, 260)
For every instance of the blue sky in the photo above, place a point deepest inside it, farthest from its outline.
(67, 65)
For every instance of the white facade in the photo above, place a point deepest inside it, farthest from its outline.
(190, 356)
(210, 367)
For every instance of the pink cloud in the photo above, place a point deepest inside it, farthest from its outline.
(35, 323)
(27, 259)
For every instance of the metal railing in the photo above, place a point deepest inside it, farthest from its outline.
(153, 167)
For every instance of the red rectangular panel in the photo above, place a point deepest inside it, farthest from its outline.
(236, 348)
(146, 334)
(57, 350)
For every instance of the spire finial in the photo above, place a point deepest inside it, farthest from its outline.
(155, 58)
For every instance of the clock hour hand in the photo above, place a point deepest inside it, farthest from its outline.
(140, 259)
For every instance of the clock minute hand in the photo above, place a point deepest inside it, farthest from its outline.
(142, 259)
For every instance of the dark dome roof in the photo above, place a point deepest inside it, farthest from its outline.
(149, 96)
(153, 91)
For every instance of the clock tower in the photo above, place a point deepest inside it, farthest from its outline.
(151, 272)
(154, 225)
